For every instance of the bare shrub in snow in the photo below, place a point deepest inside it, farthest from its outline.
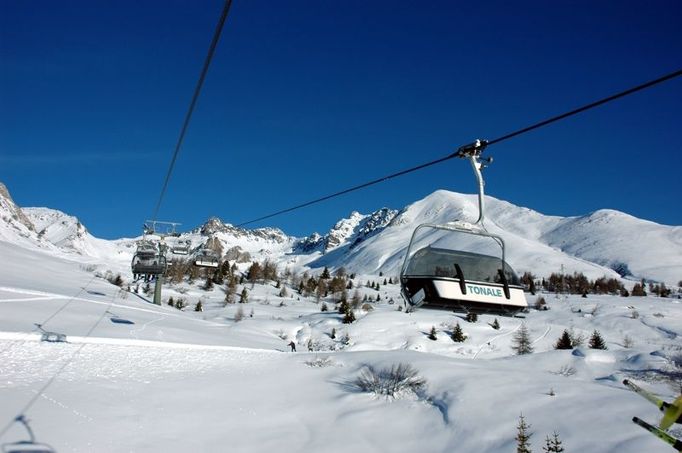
(628, 342)
(389, 382)
(320, 362)
(281, 334)
(540, 303)
(566, 370)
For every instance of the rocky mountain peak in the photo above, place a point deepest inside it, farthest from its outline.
(12, 213)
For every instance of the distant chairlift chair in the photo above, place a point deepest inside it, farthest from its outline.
(180, 247)
(149, 261)
(206, 258)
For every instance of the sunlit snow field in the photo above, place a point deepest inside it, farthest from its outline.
(151, 378)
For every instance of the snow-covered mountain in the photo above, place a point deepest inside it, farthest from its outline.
(219, 376)
(604, 243)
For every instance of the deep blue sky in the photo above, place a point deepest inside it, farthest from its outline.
(305, 98)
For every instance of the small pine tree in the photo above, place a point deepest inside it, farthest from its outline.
(638, 290)
(457, 334)
(553, 444)
(325, 274)
(523, 436)
(521, 342)
(199, 306)
(349, 317)
(564, 342)
(333, 334)
(208, 286)
(344, 307)
(432, 334)
(171, 302)
(118, 281)
(324, 307)
(283, 292)
(244, 296)
(472, 317)
(596, 341)
(495, 324)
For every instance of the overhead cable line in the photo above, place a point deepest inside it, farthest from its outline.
(457, 153)
(197, 90)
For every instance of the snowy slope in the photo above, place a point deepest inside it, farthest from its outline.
(535, 243)
(137, 377)
(621, 242)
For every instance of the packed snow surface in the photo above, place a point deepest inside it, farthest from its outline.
(133, 376)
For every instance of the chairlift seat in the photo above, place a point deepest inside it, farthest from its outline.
(207, 258)
(142, 265)
(459, 280)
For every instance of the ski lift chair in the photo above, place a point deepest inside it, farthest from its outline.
(146, 249)
(453, 278)
(207, 258)
(180, 248)
(149, 266)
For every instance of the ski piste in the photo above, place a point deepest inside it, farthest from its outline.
(672, 413)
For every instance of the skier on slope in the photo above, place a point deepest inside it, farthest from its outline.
(293, 346)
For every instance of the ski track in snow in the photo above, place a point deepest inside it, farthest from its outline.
(492, 340)
(64, 406)
(549, 328)
(44, 296)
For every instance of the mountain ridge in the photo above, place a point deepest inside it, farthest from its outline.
(605, 242)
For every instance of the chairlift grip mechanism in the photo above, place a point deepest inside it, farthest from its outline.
(473, 151)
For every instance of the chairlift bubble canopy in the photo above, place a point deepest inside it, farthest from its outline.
(461, 266)
(455, 277)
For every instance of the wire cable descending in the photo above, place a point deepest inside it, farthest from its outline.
(197, 90)
(516, 133)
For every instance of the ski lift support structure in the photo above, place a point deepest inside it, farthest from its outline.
(150, 258)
